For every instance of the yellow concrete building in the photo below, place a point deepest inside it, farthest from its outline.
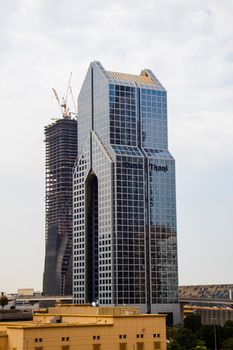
(74, 327)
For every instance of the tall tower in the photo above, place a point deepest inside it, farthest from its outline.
(61, 153)
(125, 242)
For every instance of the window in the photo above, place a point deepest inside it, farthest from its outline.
(96, 337)
(65, 347)
(157, 345)
(140, 346)
(38, 340)
(65, 338)
(96, 346)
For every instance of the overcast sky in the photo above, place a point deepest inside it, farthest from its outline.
(189, 47)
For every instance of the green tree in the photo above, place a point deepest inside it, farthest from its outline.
(228, 344)
(193, 322)
(186, 339)
(3, 300)
(173, 345)
(228, 329)
(171, 332)
(207, 335)
(200, 345)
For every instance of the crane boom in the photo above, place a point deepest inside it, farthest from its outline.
(72, 96)
(63, 103)
(58, 100)
(68, 86)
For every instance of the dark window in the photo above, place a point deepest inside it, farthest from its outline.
(140, 346)
(96, 346)
(65, 347)
(122, 346)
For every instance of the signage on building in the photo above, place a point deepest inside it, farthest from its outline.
(157, 168)
(133, 165)
(152, 166)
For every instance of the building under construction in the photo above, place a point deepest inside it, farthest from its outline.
(61, 153)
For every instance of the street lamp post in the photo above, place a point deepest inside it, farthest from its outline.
(215, 335)
(215, 338)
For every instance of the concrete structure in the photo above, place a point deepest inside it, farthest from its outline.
(61, 153)
(210, 315)
(213, 302)
(125, 242)
(25, 292)
(86, 328)
(26, 299)
(15, 315)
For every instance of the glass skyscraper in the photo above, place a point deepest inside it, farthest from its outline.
(125, 242)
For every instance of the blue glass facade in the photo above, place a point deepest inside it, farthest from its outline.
(125, 243)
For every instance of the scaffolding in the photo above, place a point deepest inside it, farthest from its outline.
(61, 153)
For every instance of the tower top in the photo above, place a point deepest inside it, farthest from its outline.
(145, 79)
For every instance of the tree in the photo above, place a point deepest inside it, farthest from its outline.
(173, 345)
(228, 329)
(193, 322)
(186, 339)
(3, 300)
(200, 345)
(171, 332)
(228, 344)
(207, 335)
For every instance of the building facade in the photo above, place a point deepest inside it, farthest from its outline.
(61, 153)
(125, 242)
(86, 328)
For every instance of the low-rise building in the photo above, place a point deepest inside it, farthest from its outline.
(71, 327)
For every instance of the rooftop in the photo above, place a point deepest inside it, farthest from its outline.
(78, 316)
(71, 309)
(139, 79)
(211, 291)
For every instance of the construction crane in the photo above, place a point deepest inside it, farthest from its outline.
(72, 96)
(63, 104)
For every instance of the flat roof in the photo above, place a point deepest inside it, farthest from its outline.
(101, 315)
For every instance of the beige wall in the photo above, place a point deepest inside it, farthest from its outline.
(74, 318)
(81, 337)
(15, 338)
(3, 341)
(25, 291)
(109, 331)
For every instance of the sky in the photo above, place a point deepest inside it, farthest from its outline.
(189, 47)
